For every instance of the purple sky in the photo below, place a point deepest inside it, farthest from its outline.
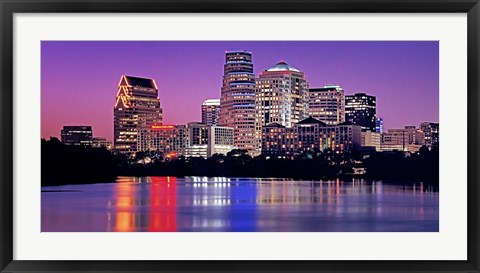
(80, 79)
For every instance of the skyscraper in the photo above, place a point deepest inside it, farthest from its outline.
(327, 104)
(360, 109)
(210, 109)
(237, 102)
(281, 97)
(77, 135)
(137, 106)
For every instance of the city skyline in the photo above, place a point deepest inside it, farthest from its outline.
(77, 77)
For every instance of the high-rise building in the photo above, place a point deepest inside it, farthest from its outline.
(431, 131)
(210, 111)
(237, 101)
(281, 97)
(137, 107)
(360, 109)
(327, 104)
(379, 125)
(77, 135)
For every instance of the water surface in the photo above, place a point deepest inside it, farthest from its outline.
(162, 204)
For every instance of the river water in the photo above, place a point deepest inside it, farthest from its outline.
(166, 204)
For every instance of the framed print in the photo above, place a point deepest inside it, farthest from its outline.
(201, 136)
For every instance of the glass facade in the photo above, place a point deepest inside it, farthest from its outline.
(327, 104)
(361, 109)
(281, 97)
(237, 102)
(137, 107)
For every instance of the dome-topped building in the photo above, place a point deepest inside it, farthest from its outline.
(282, 66)
(280, 97)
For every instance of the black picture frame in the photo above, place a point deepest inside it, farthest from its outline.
(9, 7)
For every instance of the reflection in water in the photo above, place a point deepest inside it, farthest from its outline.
(165, 204)
(163, 201)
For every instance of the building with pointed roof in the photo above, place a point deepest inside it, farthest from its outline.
(137, 106)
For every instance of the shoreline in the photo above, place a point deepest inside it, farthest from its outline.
(284, 179)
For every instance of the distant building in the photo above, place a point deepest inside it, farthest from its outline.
(314, 134)
(327, 104)
(198, 139)
(77, 135)
(137, 107)
(431, 131)
(408, 139)
(360, 109)
(237, 101)
(193, 140)
(278, 140)
(379, 125)
(310, 134)
(166, 139)
(348, 137)
(210, 111)
(98, 142)
(206, 141)
(281, 97)
(221, 140)
(372, 139)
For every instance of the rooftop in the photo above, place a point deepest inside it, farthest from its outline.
(238, 51)
(282, 66)
(326, 88)
(211, 102)
(142, 82)
(274, 125)
(311, 120)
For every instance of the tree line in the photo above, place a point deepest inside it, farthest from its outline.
(66, 164)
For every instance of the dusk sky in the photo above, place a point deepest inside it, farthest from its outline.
(80, 79)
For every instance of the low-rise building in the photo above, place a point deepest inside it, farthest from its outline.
(278, 140)
(99, 142)
(310, 134)
(206, 140)
(408, 139)
(431, 131)
(166, 139)
(193, 140)
(371, 139)
(77, 135)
